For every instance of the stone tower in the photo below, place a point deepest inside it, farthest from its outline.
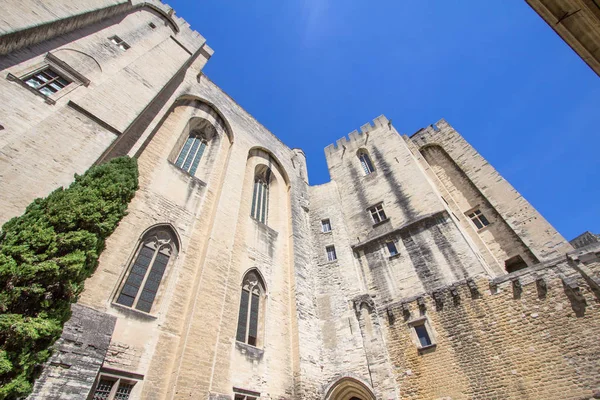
(417, 272)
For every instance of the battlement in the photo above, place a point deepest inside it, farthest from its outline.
(355, 135)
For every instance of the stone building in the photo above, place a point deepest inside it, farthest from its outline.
(417, 272)
(577, 22)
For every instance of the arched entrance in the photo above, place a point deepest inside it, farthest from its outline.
(349, 389)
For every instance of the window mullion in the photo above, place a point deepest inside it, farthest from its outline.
(141, 289)
(48, 82)
(187, 153)
(265, 206)
(259, 202)
(247, 338)
(113, 390)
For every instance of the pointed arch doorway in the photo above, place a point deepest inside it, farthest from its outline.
(349, 389)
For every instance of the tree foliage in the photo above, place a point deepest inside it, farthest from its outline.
(45, 256)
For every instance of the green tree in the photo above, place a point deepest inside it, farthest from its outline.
(46, 255)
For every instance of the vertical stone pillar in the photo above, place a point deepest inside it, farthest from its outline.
(78, 355)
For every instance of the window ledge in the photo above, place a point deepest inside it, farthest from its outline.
(383, 221)
(370, 175)
(394, 256)
(15, 79)
(330, 262)
(484, 228)
(132, 312)
(424, 348)
(186, 173)
(251, 352)
(325, 233)
(265, 226)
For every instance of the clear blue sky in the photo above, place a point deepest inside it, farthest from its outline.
(312, 71)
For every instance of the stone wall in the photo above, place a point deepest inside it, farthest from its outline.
(527, 336)
(77, 357)
(48, 139)
(470, 173)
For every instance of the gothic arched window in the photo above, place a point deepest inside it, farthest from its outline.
(191, 152)
(156, 249)
(365, 162)
(250, 311)
(260, 195)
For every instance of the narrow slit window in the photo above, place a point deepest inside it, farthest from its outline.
(377, 213)
(47, 81)
(325, 226)
(331, 255)
(147, 270)
(479, 220)
(392, 250)
(365, 162)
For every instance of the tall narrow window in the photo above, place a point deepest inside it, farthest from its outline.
(331, 255)
(191, 152)
(250, 311)
(478, 219)
(377, 213)
(139, 290)
(260, 195)
(326, 225)
(391, 246)
(365, 162)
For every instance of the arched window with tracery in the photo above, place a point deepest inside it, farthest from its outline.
(157, 248)
(365, 162)
(192, 151)
(260, 195)
(251, 310)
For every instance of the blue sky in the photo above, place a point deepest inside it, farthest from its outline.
(312, 71)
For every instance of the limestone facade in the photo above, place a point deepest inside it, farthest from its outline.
(379, 284)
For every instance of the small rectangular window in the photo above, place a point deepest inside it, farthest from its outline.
(478, 219)
(47, 81)
(326, 225)
(391, 246)
(113, 387)
(120, 43)
(377, 213)
(331, 256)
(242, 394)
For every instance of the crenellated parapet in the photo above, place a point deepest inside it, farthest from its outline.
(356, 138)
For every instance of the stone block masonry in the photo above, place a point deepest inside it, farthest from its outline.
(416, 303)
(77, 357)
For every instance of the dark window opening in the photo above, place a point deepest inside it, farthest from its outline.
(365, 162)
(514, 264)
(391, 246)
(326, 225)
(423, 335)
(478, 219)
(377, 213)
(331, 255)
